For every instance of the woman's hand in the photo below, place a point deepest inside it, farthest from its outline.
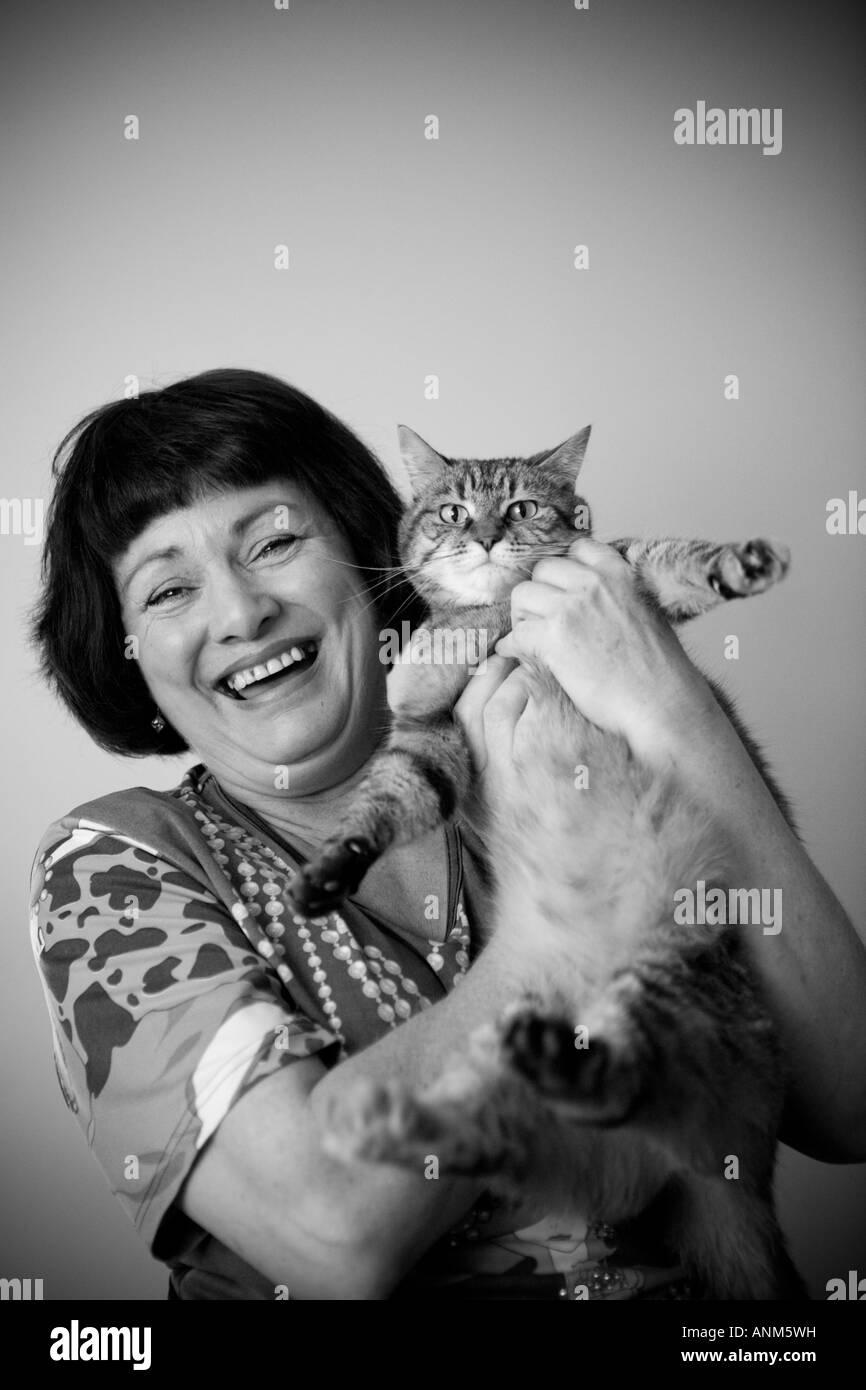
(496, 713)
(583, 618)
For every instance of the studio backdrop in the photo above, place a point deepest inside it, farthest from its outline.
(494, 221)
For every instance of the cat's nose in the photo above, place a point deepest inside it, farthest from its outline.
(487, 541)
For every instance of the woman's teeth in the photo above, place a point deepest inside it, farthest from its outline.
(239, 680)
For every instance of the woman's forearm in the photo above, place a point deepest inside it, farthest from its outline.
(325, 1227)
(811, 960)
(418, 1051)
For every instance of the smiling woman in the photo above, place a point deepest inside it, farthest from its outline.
(240, 544)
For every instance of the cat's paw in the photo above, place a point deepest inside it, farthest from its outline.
(326, 880)
(587, 1084)
(541, 1049)
(375, 1122)
(385, 1123)
(738, 571)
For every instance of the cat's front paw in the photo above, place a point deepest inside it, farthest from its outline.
(326, 880)
(738, 571)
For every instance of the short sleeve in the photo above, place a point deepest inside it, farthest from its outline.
(163, 1014)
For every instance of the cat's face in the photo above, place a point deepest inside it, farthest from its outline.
(475, 527)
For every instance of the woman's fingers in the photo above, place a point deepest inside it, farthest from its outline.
(533, 596)
(595, 555)
(561, 572)
(524, 640)
(555, 579)
(505, 706)
(469, 709)
(592, 552)
(506, 646)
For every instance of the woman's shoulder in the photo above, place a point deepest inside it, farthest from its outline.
(162, 824)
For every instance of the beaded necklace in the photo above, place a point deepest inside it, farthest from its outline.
(378, 977)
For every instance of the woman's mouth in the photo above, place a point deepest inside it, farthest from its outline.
(280, 669)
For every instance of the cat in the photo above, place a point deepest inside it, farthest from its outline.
(678, 1068)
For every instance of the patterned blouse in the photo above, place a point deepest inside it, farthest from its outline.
(177, 975)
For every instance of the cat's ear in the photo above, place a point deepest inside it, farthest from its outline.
(422, 462)
(567, 458)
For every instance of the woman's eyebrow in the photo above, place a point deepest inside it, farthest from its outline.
(257, 512)
(173, 552)
(170, 553)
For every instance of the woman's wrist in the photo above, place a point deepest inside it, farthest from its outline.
(682, 714)
(693, 735)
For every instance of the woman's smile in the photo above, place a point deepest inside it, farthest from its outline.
(273, 668)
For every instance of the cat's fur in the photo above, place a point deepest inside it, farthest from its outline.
(683, 1069)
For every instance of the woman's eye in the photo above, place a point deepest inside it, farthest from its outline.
(279, 543)
(453, 513)
(156, 599)
(271, 547)
(521, 511)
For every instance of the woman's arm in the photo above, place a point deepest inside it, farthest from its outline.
(325, 1229)
(814, 968)
(625, 670)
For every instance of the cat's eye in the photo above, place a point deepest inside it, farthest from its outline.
(522, 511)
(453, 513)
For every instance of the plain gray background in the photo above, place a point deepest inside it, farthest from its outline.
(410, 257)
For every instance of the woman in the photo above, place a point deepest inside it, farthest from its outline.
(216, 578)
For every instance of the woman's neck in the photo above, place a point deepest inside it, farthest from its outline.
(309, 819)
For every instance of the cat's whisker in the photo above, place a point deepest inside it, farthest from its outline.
(377, 599)
(374, 569)
(384, 585)
(408, 599)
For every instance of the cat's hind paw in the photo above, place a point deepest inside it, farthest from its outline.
(331, 876)
(738, 571)
(587, 1084)
(384, 1123)
(376, 1123)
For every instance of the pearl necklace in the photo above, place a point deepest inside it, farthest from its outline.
(380, 978)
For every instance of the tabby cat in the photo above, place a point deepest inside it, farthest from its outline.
(683, 1068)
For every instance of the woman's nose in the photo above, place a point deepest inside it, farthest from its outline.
(238, 608)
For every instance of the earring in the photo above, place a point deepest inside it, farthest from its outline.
(158, 723)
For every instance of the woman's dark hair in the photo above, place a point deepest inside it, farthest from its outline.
(133, 460)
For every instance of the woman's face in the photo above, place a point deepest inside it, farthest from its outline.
(237, 581)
